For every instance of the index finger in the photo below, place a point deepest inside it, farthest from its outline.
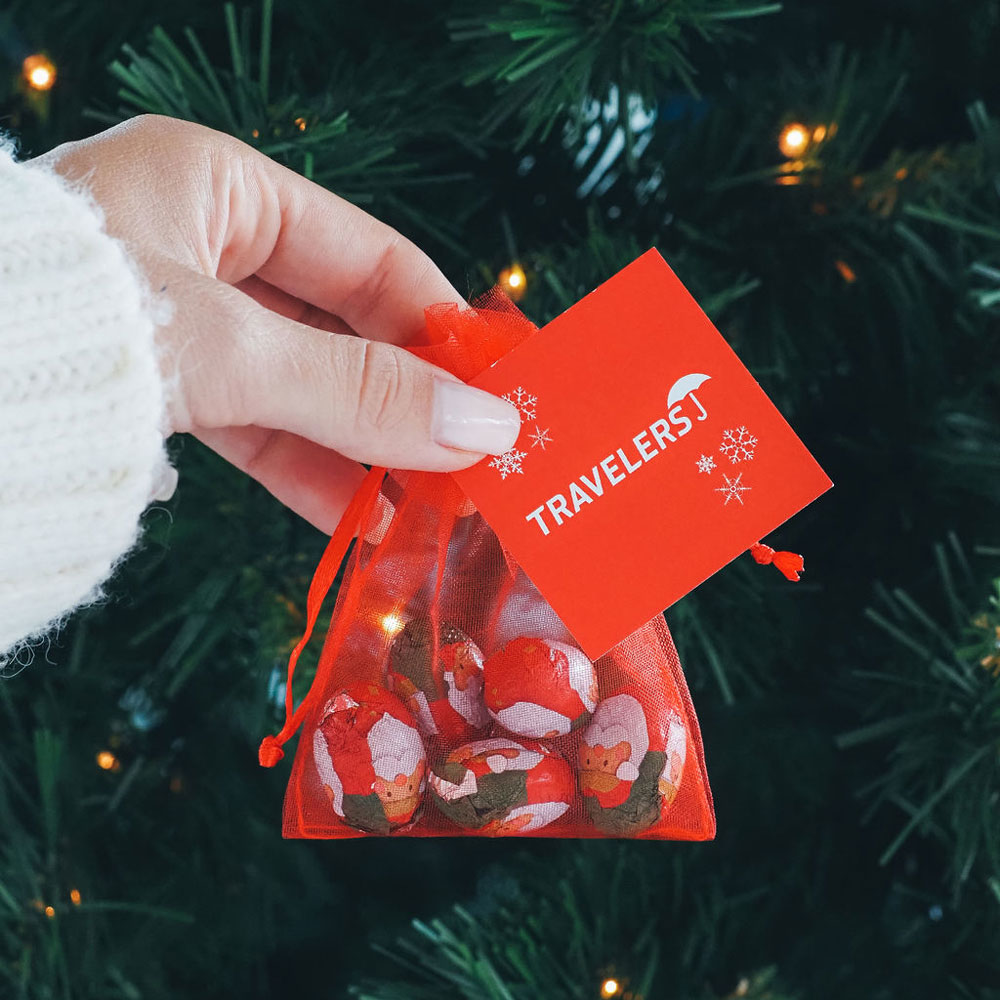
(339, 258)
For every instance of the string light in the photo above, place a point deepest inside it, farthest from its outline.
(991, 661)
(819, 133)
(39, 71)
(610, 988)
(289, 605)
(992, 664)
(75, 897)
(50, 912)
(392, 623)
(793, 140)
(514, 281)
(256, 133)
(300, 124)
(846, 271)
(107, 761)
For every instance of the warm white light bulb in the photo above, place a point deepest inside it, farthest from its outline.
(514, 281)
(392, 623)
(793, 139)
(39, 71)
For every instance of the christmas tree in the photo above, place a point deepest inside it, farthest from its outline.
(825, 178)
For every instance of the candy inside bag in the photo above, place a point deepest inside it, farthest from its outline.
(450, 700)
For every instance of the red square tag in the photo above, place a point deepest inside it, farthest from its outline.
(649, 457)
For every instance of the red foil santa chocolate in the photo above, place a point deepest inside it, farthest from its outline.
(444, 692)
(370, 759)
(631, 764)
(539, 687)
(502, 786)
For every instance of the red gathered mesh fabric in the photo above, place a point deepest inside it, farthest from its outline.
(450, 700)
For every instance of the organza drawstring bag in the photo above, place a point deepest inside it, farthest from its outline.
(450, 700)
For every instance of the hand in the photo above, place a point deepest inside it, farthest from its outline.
(288, 306)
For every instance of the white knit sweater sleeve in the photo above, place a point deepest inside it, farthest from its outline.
(81, 403)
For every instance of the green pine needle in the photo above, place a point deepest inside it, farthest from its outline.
(543, 56)
(945, 762)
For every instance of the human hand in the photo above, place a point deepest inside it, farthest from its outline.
(289, 304)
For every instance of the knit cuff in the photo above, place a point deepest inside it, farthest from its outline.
(82, 408)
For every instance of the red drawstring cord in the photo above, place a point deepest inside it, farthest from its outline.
(790, 564)
(270, 751)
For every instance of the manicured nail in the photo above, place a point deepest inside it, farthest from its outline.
(164, 482)
(473, 420)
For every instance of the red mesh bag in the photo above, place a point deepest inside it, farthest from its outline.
(450, 699)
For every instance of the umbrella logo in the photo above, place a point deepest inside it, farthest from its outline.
(686, 386)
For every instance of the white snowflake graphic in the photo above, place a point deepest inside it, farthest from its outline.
(738, 445)
(706, 463)
(508, 463)
(733, 490)
(523, 400)
(540, 438)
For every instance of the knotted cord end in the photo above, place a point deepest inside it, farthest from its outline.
(270, 752)
(790, 564)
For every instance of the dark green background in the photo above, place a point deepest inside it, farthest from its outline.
(187, 887)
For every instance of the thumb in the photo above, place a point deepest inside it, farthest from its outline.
(371, 401)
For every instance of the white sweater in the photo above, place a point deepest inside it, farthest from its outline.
(82, 410)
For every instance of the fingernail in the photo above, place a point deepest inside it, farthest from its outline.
(164, 482)
(473, 420)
